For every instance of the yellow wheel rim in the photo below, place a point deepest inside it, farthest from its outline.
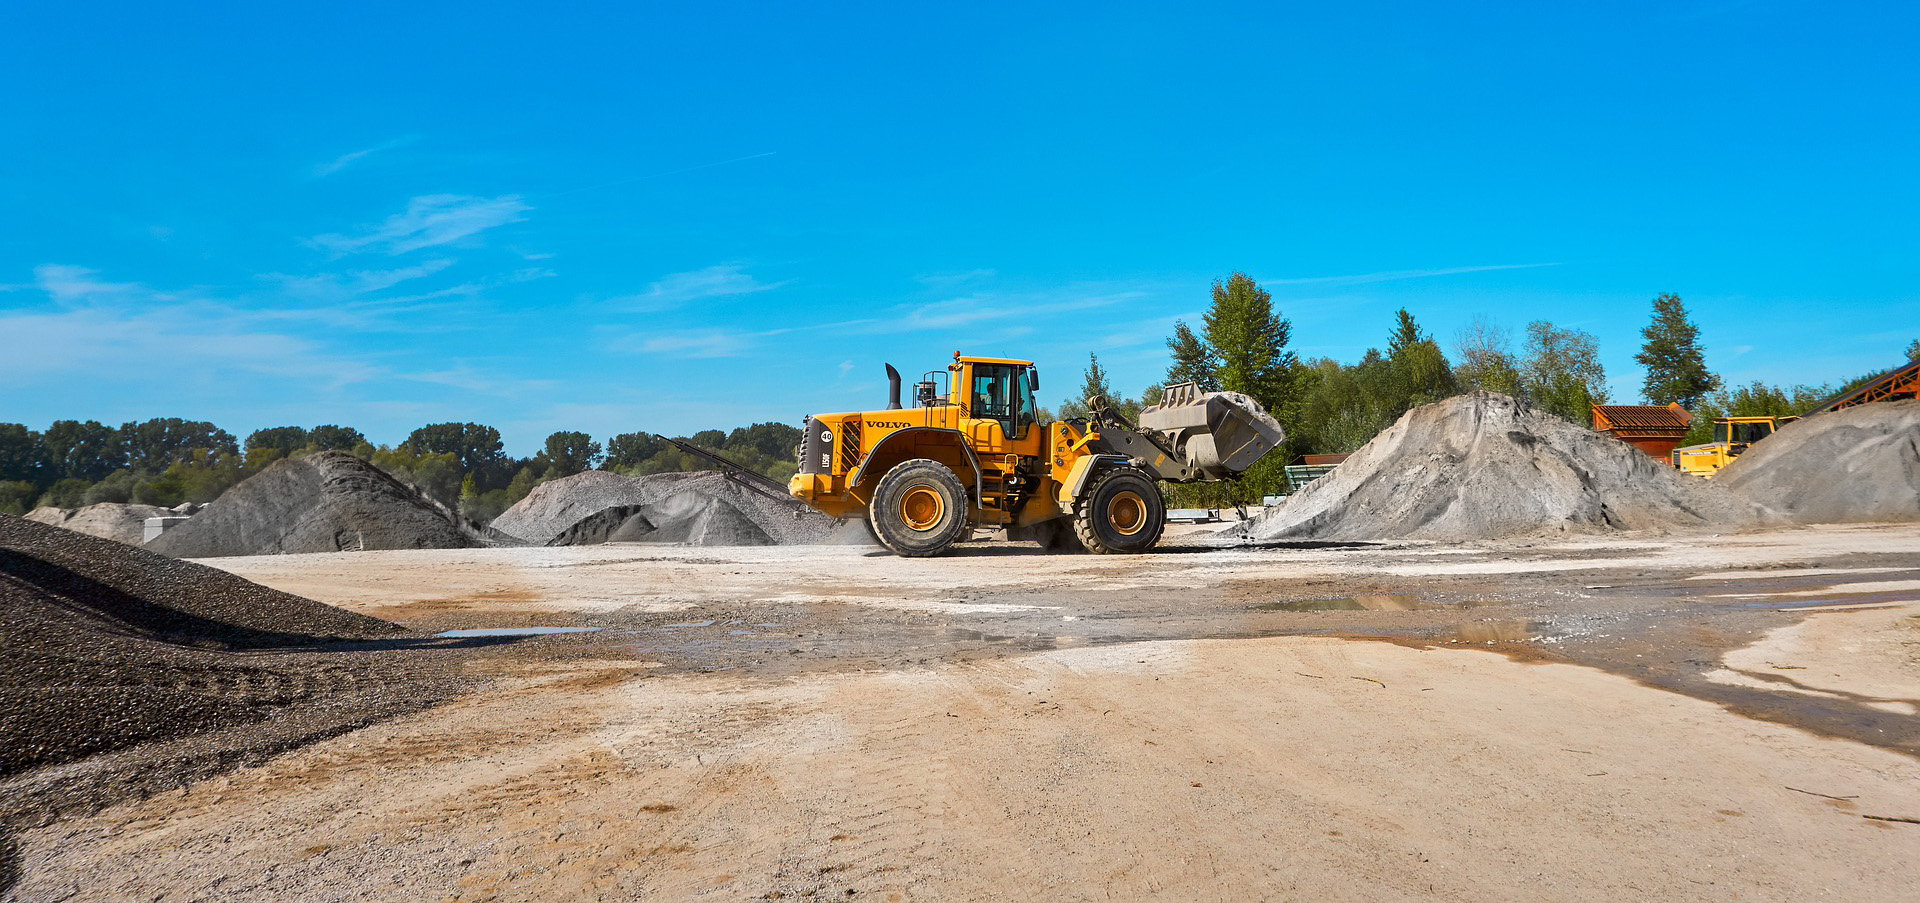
(1127, 513)
(922, 507)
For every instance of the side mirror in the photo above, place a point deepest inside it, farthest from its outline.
(1033, 380)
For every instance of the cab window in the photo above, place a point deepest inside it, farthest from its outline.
(1000, 393)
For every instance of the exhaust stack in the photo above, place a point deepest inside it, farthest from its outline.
(893, 388)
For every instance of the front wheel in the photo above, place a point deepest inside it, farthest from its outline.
(1121, 514)
(919, 508)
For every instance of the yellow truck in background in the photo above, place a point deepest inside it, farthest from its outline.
(1731, 437)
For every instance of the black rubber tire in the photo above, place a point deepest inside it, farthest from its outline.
(931, 489)
(1121, 513)
(1057, 536)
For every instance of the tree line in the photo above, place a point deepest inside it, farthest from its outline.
(169, 461)
(1328, 406)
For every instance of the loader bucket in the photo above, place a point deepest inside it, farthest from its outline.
(1219, 434)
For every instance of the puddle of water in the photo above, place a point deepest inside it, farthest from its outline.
(1488, 632)
(1384, 602)
(1802, 572)
(515, 631)
(692, 624)
(1844, 605)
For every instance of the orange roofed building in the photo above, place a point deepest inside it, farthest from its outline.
(1649, 428)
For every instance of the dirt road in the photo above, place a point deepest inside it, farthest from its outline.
(1635, 718)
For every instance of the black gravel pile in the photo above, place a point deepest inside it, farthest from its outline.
(325, 502)
(125, 673)
(103, 646)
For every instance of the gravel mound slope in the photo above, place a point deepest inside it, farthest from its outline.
(1484, 466)
(103, 646)
(701, 508)
(689, 517)
(1857, 464)
(107, 520)
(325, 502)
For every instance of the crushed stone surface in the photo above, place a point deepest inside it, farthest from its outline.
(698, 508)
(325, 502)
(124, 523)
(1857, 464)
(1483, 466)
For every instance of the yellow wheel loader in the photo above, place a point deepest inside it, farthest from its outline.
(1732, 436)
(972, 453)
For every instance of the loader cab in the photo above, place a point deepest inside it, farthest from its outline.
(1002, 391)
(1740, 432)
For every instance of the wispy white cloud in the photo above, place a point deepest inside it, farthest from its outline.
(1391, 275)
(335, 287)
(677, 289)
(430, 220)
(706, 342)
(975, 309)
(343, 161)
(948, 280)
(72, 284)
(104, 328)
(479, 380)
(696, 343)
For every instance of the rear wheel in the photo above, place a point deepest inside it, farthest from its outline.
(1122, 513)
(919, 508)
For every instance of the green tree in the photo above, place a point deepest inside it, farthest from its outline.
(1562, 372)
(1192, 360)
(66, 492)
(284, 439)
(83, 451)
(770, 440)
(1756, 399)
(332, 437)
(476, 449)
(16, 496)
(1406, 333)
(158, 443)
(629, 449)
(1248, 341)
(1676, 364)
(1485, 359)
(568, 453)
(1913, 351)
(22, 454)
(1093, 382)
(1421, 374)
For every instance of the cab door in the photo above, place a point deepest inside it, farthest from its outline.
(1002, 413)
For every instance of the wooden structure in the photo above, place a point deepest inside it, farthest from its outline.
(1652, 429)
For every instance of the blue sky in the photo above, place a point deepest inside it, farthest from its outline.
(667, 218)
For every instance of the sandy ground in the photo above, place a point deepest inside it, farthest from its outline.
(1646, 718)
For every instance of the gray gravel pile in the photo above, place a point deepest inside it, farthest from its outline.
(688, 518)
(103, 645)
(325, 502)
(1857, 464)
(107, 520)
(699, 508)
(1484, 466)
